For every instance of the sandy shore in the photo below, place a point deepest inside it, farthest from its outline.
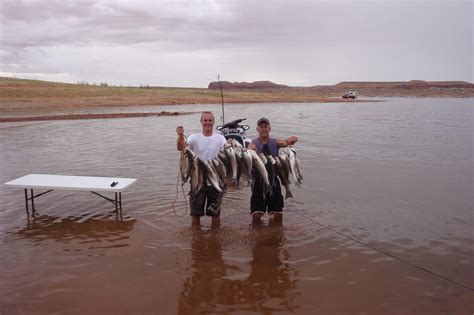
(40, 100)
(87, 116)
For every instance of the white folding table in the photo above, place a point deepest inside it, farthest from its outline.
(64, 182)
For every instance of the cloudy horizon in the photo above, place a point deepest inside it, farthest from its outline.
(188, 43)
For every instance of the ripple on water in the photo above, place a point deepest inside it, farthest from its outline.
(378, 173)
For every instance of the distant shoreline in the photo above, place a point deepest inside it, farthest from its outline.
(32, 100)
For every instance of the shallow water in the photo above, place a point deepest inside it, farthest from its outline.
(387, 188)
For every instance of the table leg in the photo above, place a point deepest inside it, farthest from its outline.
(33, 202)
(26, 202)
(120, 200)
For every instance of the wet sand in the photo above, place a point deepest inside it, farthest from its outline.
(87, 116)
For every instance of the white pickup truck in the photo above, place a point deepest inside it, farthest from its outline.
(350, 94)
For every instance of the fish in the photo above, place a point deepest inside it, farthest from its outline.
(290, 156)
(247, 166)
(270, 166)
(263, 158)
(211, 175)
(220, 170)
(236, 144)
(271, 159)
(240, 162)
(260, 167)
(283, 174)
(223, 157)
(183, 165)
(189, 156)
(294, 167)
(298, 167)
(233, 162)
(285, 161)
(193, 173)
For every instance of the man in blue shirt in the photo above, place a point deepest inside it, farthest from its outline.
(272, 200)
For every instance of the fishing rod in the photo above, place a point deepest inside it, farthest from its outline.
(222, 96)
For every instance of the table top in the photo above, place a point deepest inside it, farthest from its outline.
(66, 182)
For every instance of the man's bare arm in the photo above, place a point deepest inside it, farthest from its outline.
(282, 143)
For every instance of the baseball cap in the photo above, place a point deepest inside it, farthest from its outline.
(263, 120)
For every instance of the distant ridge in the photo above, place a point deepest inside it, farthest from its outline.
(408, 85)
(413, 84)
(413, 88)
(257, 85)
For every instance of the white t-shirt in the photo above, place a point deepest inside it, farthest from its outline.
(206, 148)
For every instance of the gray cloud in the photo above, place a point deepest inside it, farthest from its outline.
(293, 42)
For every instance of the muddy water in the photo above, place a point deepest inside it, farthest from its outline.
(383, 224)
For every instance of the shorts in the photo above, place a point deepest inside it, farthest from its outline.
(213, 198)
(270, 202)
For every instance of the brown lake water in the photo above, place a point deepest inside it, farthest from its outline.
(382, 225)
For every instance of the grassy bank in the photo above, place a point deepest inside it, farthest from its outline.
(32, 97)
(25, 96)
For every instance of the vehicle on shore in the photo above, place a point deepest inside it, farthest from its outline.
(350, 95)
(235, 130)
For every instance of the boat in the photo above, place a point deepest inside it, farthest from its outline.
(234, 130)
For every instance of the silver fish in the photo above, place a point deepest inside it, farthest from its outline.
(240, 161)
(222, 156)
(263, 158)
(235, 143)
(289, 155)
(298, 167)
(283, 174)
(212, 176)
(189, 156)
(183, 165)
(220, 170)
(247, 164)
(233, 162)
(260, 167)
(271, 159)
(294, 170)
(193, 173)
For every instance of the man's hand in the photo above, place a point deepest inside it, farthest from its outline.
(181, 142)
(292, 140)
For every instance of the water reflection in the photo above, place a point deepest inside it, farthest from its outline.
(218, 286)
(269, 283)
(81, 229)
(205, 288)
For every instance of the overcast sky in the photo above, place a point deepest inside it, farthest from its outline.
(189, 42)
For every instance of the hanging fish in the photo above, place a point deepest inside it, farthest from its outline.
(283, 174)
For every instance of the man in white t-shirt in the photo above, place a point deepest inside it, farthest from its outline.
(207, 146)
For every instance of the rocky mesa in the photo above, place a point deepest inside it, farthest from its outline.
(417, 88)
